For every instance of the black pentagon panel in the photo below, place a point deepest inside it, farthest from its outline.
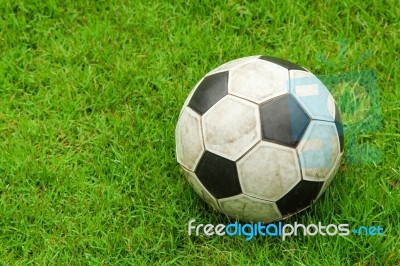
(212, 89)
(218, 175)
(284, 63)
(283, 120)
(300, 197)
(339, 128)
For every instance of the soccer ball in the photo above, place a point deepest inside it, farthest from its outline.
(259, 138)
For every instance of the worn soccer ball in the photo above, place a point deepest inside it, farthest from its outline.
(259, 138)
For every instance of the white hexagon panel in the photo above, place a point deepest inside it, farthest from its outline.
(268, 80)
(189, 140)
(269, 171)
(231, 127)
(331, 175)
(250, 209)
(234, 63)
(312, 94)
(200, 189)
(318, 150)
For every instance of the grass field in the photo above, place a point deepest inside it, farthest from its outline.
(89, 97)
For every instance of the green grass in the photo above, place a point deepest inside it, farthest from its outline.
(90, 94)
